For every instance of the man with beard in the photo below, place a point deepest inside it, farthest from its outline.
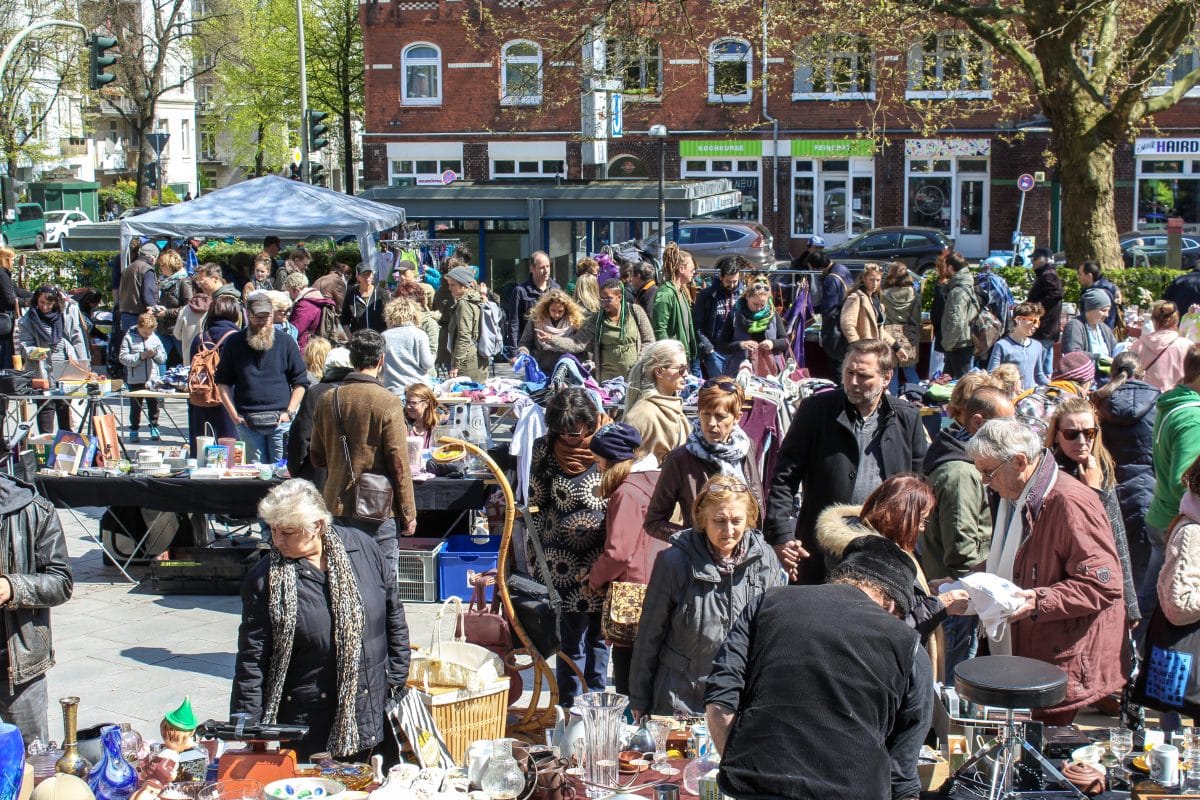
(261, 378)
(841, 445)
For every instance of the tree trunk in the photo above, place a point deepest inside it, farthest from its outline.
(1088, 212)
(145, 156)
(260, 168)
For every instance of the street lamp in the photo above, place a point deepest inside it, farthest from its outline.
(660, 132)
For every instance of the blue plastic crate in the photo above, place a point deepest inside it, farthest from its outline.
(460, 557)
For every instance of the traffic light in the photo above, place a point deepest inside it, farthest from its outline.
(97, 44)
(317, 131)
(150, 175)
(316, 173)
(294, 172)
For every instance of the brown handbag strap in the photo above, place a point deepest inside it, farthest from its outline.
(341, 429)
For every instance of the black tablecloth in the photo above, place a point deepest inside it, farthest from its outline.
(233, 497)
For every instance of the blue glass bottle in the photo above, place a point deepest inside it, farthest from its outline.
(12, 761)
(112, 778)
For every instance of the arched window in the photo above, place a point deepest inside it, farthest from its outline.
(521, 74)
(421, 67)
(729, 71)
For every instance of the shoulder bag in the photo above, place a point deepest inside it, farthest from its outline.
(369, 496)
(1169, 679)
(622, 612)
(538, 606)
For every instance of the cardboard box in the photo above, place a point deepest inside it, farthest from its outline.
(933, 774)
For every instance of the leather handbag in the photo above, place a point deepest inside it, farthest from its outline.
(622, 612)
(369, 496)
(6, 323)
(538, 606)
(486, 625)
(262, 419)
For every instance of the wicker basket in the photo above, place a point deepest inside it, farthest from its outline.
(463, 717)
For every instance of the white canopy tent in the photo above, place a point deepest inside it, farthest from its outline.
(268, 206)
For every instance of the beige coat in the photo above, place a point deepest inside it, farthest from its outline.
(659, 418)
(859, 320)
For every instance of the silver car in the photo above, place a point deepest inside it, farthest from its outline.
(709, 240)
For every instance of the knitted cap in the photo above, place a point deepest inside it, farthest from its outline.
(148, 252)
(1077, 367)
(1094, 299)
(616, 442)
(461, 275)
(183, 718)
(885, 563)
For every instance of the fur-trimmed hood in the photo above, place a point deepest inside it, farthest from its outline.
(839, 525)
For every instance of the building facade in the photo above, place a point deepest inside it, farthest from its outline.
(442, 100)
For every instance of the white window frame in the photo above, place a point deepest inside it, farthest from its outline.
(715, 58)
(647, 52)
(827, 59)
(185, 137)
(406, 61)
(1163, 80)
(945, 55)
(540, 174)
(508, 98)
(396, 178)
(857, 167)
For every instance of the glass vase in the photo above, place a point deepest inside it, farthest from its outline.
(112, 778)
(602, 717)
(70, 762)
(502, 778)
(12, 761)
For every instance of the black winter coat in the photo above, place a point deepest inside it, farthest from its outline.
(1047, 290)
(310, 689)
(1127, 421)
(357, 315)
(820, 454)
(1184, 291)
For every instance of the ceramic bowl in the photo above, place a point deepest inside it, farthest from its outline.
(303, 789)
(627, 759)
(1091, 754)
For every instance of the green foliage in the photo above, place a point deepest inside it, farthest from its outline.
(123, 192)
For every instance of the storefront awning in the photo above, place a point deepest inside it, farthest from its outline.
(600, 200)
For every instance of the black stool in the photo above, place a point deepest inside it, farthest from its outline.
(1011, 682)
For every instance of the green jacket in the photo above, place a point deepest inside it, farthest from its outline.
(460, 338)
(1176, 446)
(961, 307)
(958, 535)
(673, 318)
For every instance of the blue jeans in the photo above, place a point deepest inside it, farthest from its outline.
(962, 643)
(265, 445)
(714, 364)
(1047, 355)
(1147, 593)
(584, 644)
(170, 345)
(901, 376)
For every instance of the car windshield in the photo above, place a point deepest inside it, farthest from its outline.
(56, 216)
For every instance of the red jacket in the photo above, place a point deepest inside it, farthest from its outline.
(306, 314)
(629, 552)
(1067, 556)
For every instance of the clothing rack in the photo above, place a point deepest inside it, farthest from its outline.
(429, 252)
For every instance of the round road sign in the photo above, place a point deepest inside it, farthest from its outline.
(1025, 182)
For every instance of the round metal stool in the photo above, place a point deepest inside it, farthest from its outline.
(1011, 682)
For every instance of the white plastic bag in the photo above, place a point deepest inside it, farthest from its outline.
(993, 599)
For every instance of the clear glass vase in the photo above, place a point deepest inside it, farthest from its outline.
(502, 778)
(602, 716)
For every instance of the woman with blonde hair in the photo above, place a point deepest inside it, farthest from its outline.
(716, 445)
(587, 292)
(174, 291)
(699, 586)
(315, 353)
(555, 328)
(9, 297)
(653, 404)
(862, 313)
(1075, 439)
(758, 332)
(428, 321)
(672, 317)
(1162, 352)
(260, 276)
(408, 353)
(627, 479)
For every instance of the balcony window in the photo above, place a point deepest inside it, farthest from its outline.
(834, 67)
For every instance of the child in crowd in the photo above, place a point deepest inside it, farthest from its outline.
(141, 350)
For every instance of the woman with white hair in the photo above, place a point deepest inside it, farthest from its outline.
(653, 404)
(1052, 538)
(323, 640)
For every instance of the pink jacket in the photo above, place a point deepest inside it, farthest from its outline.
(306, 313)
(1164, 352)
(629, 552)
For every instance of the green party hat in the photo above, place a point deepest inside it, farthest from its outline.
(183, 718)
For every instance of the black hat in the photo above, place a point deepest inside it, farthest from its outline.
(884, 563)
(1041, 252)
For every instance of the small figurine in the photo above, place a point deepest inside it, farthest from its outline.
(178, 727)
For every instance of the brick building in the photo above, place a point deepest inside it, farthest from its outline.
(442, 97)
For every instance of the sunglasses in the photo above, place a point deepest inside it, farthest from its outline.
(717, 485)
(577, 435)
(1074, 435)
(724, 386)
(987, 476)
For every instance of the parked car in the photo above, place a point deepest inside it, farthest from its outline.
(1154, 248)
(917, 247)
(709, 240)
(59, 222)
(133, 212)
(24, 226)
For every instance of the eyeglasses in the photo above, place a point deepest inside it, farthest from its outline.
(987, 476)
(1073, 435)
(724, 386)
(266, 315)
(577, 435)
(609, 299)
(678, 368)
(724, 485)
(1030, 320)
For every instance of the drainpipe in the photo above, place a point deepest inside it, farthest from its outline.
(774, 122)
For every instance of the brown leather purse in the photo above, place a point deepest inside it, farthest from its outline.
(369, 496)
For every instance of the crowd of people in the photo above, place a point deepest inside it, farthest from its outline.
(1068, 465)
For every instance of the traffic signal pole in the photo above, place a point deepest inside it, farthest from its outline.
(303, 94)
(20, 37)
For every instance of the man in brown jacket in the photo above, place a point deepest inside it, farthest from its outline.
(377, 438)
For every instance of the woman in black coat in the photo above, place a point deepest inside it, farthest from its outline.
(10, 294)
(1126, 407)
(323, 640)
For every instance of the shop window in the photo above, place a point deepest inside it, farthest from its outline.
(729, 71)
(404, 172)
(950, 64)
(521, 74)
(637, 63)
(1185, 61)
(421, 67)
(545, 168)
(834, 66)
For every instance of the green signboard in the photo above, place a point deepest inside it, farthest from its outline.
(832, 148)
(721, 148)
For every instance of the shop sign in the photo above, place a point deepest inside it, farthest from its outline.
(946, 148)
(723, 148)
(703, 206)
(832, 148)
(445, 179)
(1166, 147)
